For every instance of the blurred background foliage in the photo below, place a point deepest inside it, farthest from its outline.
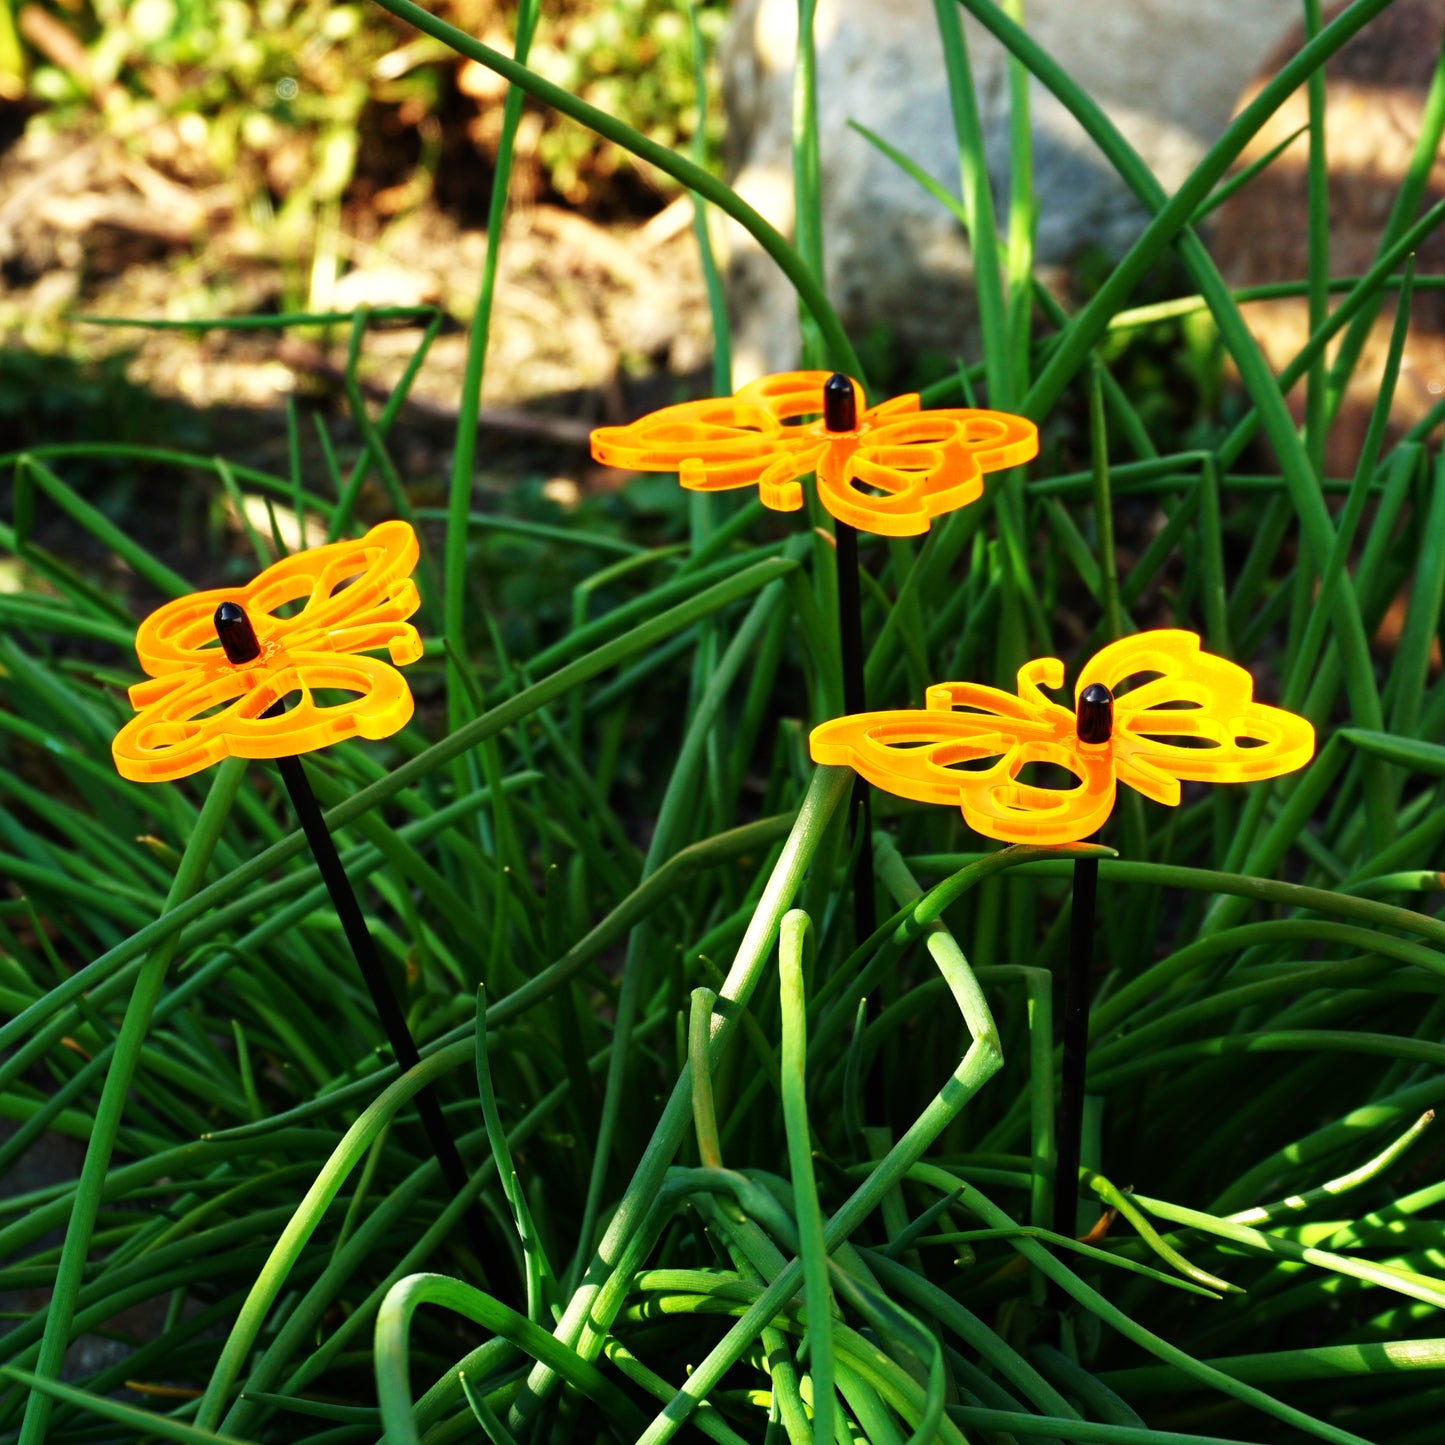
(304, 102)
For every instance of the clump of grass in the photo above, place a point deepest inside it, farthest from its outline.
(616, 896)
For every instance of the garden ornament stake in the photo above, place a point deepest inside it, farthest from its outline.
(1194, 719)
(840, 419)
(888, 470)
(204, 702)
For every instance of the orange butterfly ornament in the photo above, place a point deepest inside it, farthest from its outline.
(888, 469)
(198, 707)
(1195, 719)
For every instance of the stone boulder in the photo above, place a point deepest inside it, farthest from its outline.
(1166, 71)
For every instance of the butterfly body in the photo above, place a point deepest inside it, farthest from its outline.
(196, 707)
(1195, 720)
(890, 474)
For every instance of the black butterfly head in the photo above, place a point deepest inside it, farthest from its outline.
(840, 405)
(238, 637)
(1095, 714)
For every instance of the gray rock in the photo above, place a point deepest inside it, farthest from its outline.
(1165, 71)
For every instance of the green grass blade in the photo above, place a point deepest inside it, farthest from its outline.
(194, 865)
(793, 941)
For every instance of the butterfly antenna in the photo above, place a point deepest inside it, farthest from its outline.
(241, 645)
(1094, 723)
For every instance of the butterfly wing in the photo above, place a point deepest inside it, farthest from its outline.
(1195, 720)
(197, 718)
(196, 707)
(943, 753)
(356, 597)
(911, 466)
(727, 442)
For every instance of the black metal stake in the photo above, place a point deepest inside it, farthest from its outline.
(1070, 1124)
(238, 638)
(1095, 718)
(840, 414)
(850, 635)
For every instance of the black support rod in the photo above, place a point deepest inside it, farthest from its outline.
(238, 638)
(840, 414)
(850, 635)
(1095, 718)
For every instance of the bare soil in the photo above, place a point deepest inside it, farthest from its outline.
(591, 322)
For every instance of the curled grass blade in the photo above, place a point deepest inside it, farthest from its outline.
(393, 1325)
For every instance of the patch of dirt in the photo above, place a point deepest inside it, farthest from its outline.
(585, 315)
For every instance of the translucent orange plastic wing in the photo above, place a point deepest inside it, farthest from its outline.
(969, 746)
(727, 442)
(355, 596)
(1192, 716)
(204, 717)
(910, 466)
(197, 707)
(796, 397)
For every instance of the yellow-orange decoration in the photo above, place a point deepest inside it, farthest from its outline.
(198, 708)
(1195, 720)
(889, 470)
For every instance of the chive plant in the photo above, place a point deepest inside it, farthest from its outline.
(614, 891)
